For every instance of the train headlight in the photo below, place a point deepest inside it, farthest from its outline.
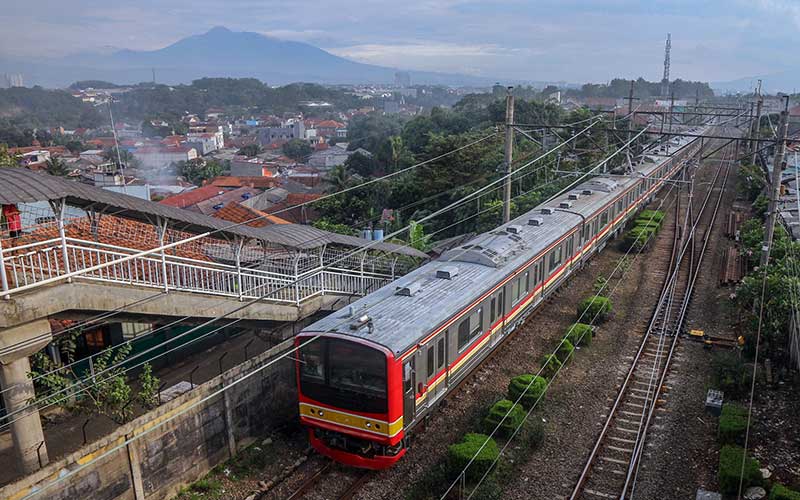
(368, 425)
(321, 413)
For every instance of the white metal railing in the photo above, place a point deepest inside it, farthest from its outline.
(43, 262)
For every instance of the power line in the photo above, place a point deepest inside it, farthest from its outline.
(225, 387)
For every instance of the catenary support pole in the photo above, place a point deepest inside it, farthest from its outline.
(775, 188)
(509, 150)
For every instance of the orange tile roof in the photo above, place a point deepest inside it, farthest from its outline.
(238, 213)
(264, 182)
(192, 197)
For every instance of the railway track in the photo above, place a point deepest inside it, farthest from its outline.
(346, 483)
(611, 469)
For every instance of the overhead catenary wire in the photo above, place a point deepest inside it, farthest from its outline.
(463, 471)
(449, 207)
(225, 387)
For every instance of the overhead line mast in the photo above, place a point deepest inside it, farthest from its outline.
(665, 78)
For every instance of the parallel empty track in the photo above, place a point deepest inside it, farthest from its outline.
(610, 471)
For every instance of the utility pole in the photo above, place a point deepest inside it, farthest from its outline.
(509, 151)
(696, 119)
(775, 188)
(630, 110)
(756, 131)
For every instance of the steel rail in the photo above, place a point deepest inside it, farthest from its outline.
(667, 294)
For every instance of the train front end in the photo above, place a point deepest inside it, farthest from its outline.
(350, 396)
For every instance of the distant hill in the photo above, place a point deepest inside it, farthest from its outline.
(785, 81)
(219, 52)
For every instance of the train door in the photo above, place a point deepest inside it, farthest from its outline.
(435, 368)
(409, 394)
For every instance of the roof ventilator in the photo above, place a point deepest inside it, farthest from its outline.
(360, 322)
(536, 221)
(447, 272)
(514, 229)
(574, 196)
(547, 211)
(587, 192)
(409, 290)
(565, 204)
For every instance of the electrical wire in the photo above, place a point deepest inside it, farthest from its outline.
(82, 466)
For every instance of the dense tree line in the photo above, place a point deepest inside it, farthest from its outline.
(248, 94)
(24, 111)
(620, 87)
(397, 143)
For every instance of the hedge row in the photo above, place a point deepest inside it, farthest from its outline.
(730, 468)
(781, 492)
(645, 228)
(459, 455)
(732, 424)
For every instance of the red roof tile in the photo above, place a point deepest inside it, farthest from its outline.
(192, 197)
(238, 213)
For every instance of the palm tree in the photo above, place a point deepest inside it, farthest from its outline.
(56, 166)
(339, 178)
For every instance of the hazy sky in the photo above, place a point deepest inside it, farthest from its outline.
(569, 40)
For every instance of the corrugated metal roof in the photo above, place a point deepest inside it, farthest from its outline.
(20, 185)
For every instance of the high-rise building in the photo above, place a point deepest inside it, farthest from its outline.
(402, 79)
(11, 80)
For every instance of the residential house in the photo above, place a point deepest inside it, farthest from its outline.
(285, 133)
(159, 157)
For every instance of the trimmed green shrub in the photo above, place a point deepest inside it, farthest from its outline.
(459, 455)
(781, 492)
(597, 309)
(639, 237)
(516, 415)
(730, 468)
(565, 351)
(580, 334)
(647, 224)
(550, 365)
(732, 424)
(537, 388)
(656, 215)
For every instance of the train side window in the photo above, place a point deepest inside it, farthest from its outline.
(431, 352)
(604, 218)
(492, 310)
(469, 328)
(527, 281)
(515, 295)
(440, 353)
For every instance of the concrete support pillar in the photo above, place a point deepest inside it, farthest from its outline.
(26, 427)
(16, 344)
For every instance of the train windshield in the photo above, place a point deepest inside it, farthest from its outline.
(344, 374)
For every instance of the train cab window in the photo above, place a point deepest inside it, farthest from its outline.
(344, 374)
(469, 328)
(431, 360)
(440, 353)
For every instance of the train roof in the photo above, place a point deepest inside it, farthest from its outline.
(403, 312)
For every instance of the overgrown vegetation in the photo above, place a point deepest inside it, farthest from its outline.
(730, 470)
(732, 424)
(580, 334)
(536, 387)
(460, 454)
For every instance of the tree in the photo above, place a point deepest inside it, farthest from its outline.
(417, 237)
(297, 149)
(148, 387)
(8, 159)
(56, 166)
(110, 391)
(339, 178)
(250, 150)
(126, 157)
(363, 165)
(199, 169)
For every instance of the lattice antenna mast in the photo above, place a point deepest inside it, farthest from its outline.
(665, 79)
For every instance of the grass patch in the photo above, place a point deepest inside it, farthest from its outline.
(732, 424)
(730, 468)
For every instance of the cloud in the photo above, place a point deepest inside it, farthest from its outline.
(575, 40)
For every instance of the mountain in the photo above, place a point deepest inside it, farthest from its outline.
(219, 52)
(786, 81)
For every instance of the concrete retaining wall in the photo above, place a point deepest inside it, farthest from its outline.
(178, 442)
